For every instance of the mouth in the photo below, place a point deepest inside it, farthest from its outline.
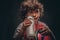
(35, 18)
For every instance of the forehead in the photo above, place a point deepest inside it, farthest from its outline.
(33, 11)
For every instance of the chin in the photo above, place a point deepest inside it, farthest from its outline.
(35, 20)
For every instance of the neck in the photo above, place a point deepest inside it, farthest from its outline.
(36, 22)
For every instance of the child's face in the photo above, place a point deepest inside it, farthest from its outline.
(34, 14)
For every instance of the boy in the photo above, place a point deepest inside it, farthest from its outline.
(34, 9)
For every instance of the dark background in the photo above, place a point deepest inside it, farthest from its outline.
(8, 19)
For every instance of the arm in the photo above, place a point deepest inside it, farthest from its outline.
(21, 28)
(43, 28)
(19, 32)
(47, 32)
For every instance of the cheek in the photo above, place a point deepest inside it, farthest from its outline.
(38, 15)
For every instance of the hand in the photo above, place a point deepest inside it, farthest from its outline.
(27, 22)
(44, 31)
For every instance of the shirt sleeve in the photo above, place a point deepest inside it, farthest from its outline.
(18, 32)
(46, 32)
(43, 28)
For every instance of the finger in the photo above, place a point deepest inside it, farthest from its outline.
(28, 22)
(44, 32)
(27, 19)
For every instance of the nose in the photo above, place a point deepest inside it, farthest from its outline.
(34, 14)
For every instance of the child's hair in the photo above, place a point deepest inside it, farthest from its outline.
(29, 6)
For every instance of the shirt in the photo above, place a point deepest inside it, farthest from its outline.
(37, 26)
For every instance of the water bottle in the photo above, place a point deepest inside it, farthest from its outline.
(30, 30)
